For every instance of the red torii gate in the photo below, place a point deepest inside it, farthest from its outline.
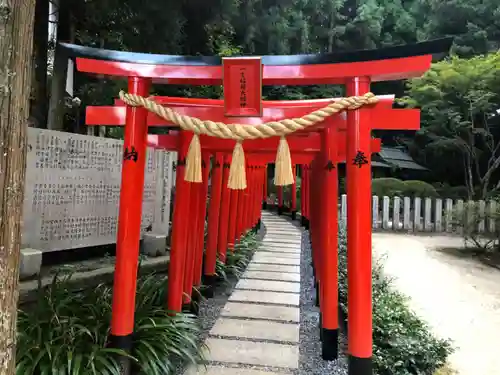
(355, 70)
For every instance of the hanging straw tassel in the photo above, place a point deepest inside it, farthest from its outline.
(237, 175)
(283, 173)
(193, 161)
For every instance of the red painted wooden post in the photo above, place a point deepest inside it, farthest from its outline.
(262, 187)
(213, 222)
(190, 250)
(245, 205)
(304, 195)
(225, 206)
(359, 230)
(254, 197)
(317, 226)
(178, 259)
(241, 217)
(233, 213)
(329, 248)
(293, 201)
(129, 219)
(239, 214)
(200, 244)
(264, 191)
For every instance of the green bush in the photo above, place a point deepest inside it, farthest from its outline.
(446, 191)
(66, 332)
(402, 343)
(237, 260)
(415, 188)
(389, 187)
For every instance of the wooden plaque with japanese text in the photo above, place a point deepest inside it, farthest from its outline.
(242, 86)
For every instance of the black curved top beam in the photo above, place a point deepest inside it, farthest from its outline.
(432, 47)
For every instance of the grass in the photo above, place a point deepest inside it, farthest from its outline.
(67, 332)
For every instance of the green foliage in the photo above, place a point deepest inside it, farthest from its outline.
(402, 343)
(422, 189)
(459, 98)
(389, 187)
(474, 23)
(444, 190)
(237, 260)
(469, 219)
(66, 332)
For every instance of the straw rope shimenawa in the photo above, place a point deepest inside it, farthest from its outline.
(239, 132)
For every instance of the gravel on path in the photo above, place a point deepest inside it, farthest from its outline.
(458, 298)
(310, 361)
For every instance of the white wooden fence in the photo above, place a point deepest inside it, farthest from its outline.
(428, 214)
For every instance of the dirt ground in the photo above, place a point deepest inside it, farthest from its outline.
(456, 294)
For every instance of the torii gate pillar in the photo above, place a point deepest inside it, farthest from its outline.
(359, 232)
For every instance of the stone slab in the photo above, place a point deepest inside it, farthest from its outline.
(256, 329)
(250, 310)
(275, 286)
(280, 276)
(273, 268)
(278, 249)
(265, 297)
(278, 237)
(283, 234)
(282, 239)
(274, 254)
(219, 370)
(282, 229)
(257, 258)
(252, 353)
(279, 241)
(281, 245)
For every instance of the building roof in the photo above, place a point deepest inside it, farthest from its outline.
(396, 157)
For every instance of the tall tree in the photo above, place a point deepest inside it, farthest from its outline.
(475, 24)
(39, 92)
(460, 99)
(16, 41)
(57, 104)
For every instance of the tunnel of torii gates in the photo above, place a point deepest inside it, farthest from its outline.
(234, 210)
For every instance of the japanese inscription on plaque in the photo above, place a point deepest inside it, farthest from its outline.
(73, 188)
(242, 86)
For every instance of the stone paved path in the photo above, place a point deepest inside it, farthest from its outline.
(258, 330)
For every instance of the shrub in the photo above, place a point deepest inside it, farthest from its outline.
(389, 187)
(415, 188)
(468, 221)
(66, 332)
(237, 260)
(446, 191)
(402, 343)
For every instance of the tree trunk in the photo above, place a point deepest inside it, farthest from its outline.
(39, 97)
(57, 105)
(16, 41)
